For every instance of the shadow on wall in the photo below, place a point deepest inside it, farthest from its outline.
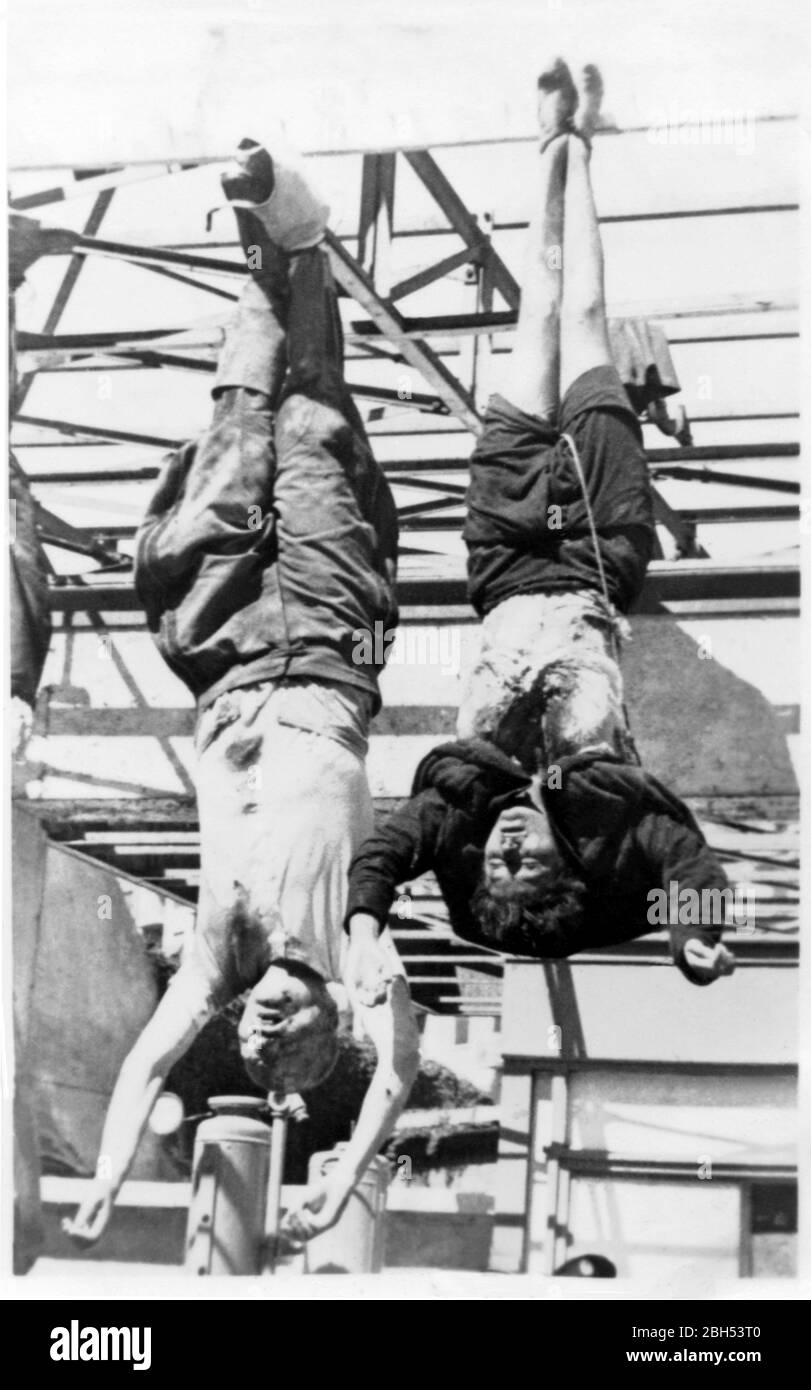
(699, 727)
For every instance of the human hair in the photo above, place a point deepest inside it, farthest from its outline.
(535, 919)
(296, 1054)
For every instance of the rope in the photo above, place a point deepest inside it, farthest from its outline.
(595, 540)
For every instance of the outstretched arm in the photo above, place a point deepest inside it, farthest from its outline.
(680, 858)
(183, 1010)
(393, 1030)
(404, 847)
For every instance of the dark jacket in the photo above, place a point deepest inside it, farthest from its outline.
(617, 828)
(527, 529)
(229, 602)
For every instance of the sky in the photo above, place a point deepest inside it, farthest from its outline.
(145, 79)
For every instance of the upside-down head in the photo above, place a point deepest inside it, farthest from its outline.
(288, 1033)
(527, 896)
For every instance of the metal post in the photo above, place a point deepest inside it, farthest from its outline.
(282, 1109)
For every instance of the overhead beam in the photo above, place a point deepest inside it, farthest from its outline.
(654, 215)
(670, 459)
(52, 348)
(87, 187)
(667, 581)
(221, 157)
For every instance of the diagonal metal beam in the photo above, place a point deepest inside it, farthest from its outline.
(54, 530)
(463, 221)
(415, 400)
(94, 221)
(79, 187)
(682, 531)
(389, 322)
(703, 475)
(422, 278)
(156, 255)
(186, 280)
(98, 432)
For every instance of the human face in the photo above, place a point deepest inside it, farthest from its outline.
(520, 847)
(280, 994)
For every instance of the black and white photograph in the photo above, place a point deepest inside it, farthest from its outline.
(403, 693)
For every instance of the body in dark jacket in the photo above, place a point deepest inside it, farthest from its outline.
(270, 547)
(615, 827)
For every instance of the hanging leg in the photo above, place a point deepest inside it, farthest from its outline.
(584, 341)
(535, 364)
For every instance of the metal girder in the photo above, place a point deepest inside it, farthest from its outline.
(65, 290)
(52, 348)
(463, 222)
(416, 353)
(682, 531)
(728, 479)
(422, 278)
(53, 530)
(99, 432)
(97, 183)
(415, 400)
(676, 581)
(707, 453)
(665, 215)
(376, 219)
(410, 469)
(156, 255)
(504, 320)
(213, 156)
(708, 516)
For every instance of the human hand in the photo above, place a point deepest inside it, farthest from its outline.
(369, 971)
(320, 1208)
(90, 1221)
(708, 962)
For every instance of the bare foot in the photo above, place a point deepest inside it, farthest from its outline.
(590, 102)
(557, 102)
